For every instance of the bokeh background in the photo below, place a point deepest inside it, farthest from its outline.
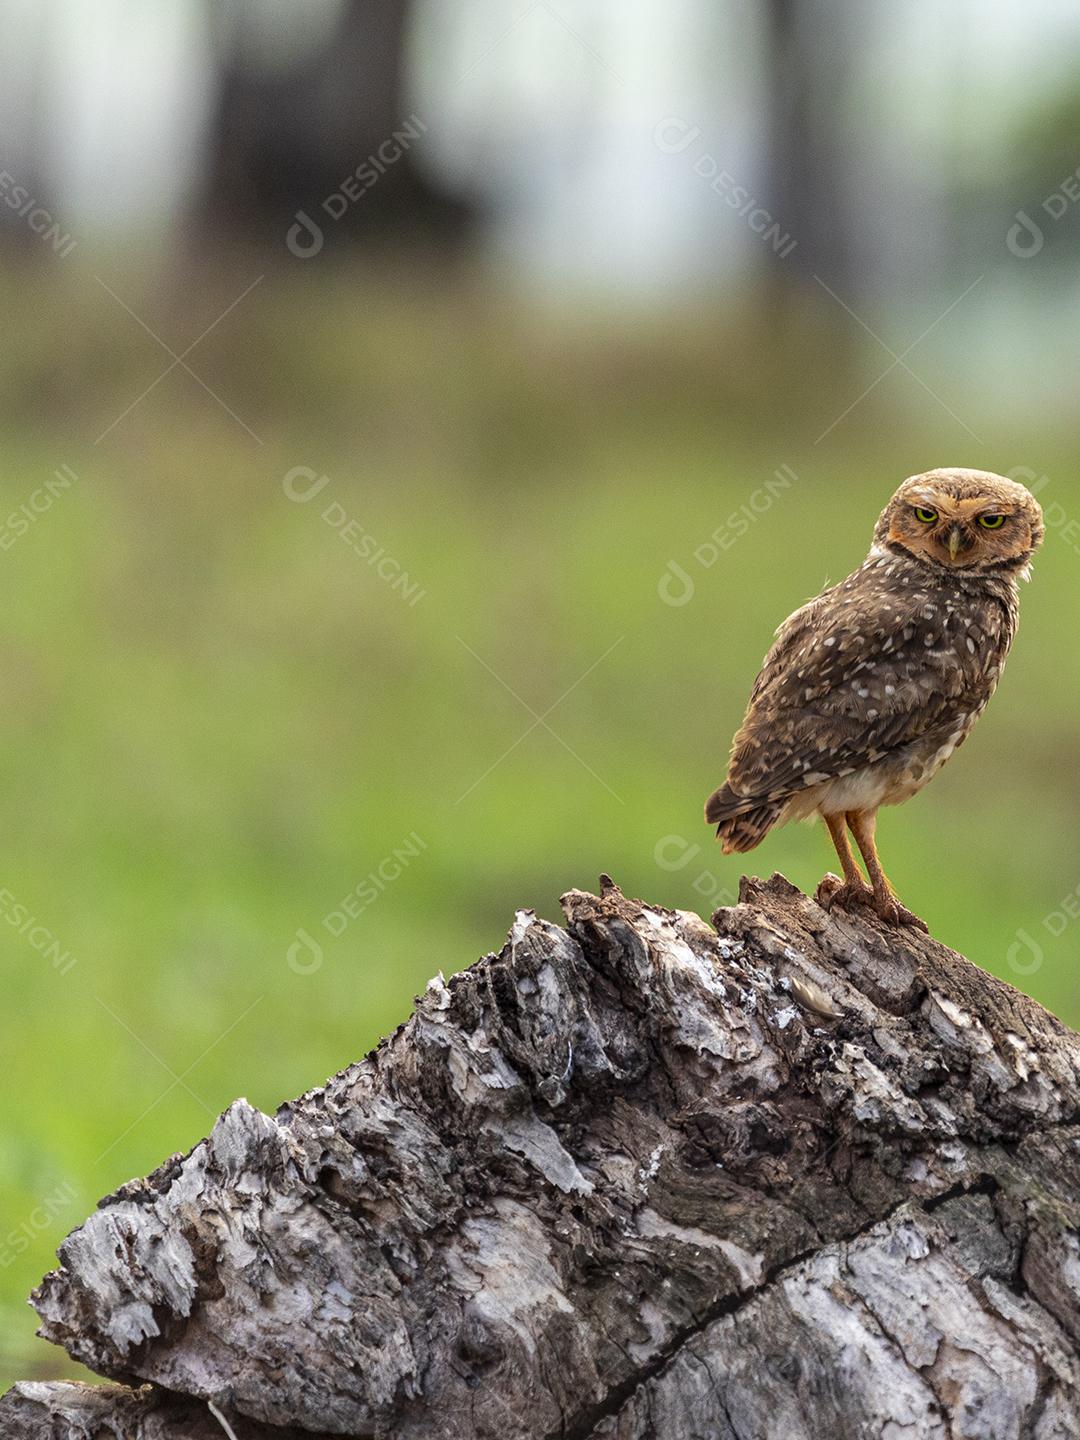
(417, 415)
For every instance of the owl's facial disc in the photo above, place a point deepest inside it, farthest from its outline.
(976, 530)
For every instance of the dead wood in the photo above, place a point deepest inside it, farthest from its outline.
(799, 1175)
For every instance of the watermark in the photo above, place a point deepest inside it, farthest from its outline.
(38, 503)
(1025, 237)
(1026, 955)
(1055, 517)
(305, 237)
(305, 955)
(16, 197)
(16, 1242)
(675, 852)
(38, 936)
(676, 585)
(301, 485)
(675, 136)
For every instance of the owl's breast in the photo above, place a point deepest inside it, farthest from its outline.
(888, 781)
(920, 761)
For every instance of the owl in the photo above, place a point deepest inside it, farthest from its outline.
(870, 688)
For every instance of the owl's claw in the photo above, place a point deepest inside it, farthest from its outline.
(834, 892)
(893, 913)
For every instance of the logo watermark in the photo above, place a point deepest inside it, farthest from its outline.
(1055, 517)
(675, 136)
(305, 237)
(676, 585)
(1025, 955)
(305, 955)
(38, 936)
(1025, 237)
(41, 221)
(16, 1242)
(301, 485)
(675, 852)
(38, 503)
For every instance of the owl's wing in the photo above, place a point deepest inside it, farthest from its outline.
(861, 671)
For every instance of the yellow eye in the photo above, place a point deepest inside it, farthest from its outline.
(926, 516)
(991, 522)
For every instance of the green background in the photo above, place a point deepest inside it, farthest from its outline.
(217, 719)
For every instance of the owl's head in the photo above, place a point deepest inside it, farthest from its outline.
(965, 520)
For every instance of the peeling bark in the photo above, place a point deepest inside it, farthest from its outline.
(799, 1175)
(114, 1412)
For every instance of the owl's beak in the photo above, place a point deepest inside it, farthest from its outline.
(957, 541)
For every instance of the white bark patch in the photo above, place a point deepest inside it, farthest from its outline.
(749, 1268)
(503, 1264)
(539, 1144)
(954, 1023)
(876, 1094)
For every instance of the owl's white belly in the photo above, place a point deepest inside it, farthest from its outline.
(864, 789)
(888, 782)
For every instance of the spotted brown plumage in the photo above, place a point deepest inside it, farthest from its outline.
(873, 685)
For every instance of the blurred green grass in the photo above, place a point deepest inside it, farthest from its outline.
(218, 719)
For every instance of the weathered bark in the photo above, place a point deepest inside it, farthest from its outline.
(800, 1175)
(116, 1413)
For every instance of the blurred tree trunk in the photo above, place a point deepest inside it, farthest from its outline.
(808, 50)
(294, 120)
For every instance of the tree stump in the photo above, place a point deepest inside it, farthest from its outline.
(800, 1175)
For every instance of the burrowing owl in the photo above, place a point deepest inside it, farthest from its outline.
(870, 688)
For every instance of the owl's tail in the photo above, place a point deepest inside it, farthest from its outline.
(743, 823)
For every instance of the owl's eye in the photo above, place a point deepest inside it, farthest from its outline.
(926, 516)
(991, 522)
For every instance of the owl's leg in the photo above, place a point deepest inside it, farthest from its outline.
(854, 890)
(863, 824)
